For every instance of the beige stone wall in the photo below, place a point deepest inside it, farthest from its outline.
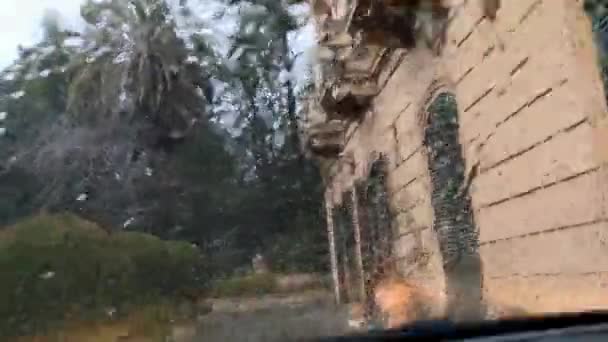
(533, 124)
(391, 127)
(528, 115)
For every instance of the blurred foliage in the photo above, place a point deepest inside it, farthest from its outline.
(53, 267)
(134, 55)
(152, 131)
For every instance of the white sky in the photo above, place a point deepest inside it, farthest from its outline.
(20, 22)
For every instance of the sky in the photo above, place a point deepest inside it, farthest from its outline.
(20, 22)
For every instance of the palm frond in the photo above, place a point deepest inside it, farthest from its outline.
(163, 89)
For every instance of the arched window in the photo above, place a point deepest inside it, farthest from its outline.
(347, 258)
(376, 230)
(453, 221)
(378, 215)
(598, 13)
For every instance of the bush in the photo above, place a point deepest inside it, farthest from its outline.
(55, 266)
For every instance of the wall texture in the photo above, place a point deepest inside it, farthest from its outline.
(530, 116)
(534, 136)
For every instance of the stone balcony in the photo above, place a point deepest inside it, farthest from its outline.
(356, 38)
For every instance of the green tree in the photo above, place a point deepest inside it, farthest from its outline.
(122, 124)
(116, 148)
(137, 68)
(285, 189)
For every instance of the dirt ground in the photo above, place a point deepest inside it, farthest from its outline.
(272, 319)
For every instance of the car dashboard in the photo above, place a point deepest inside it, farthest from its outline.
(588, 326)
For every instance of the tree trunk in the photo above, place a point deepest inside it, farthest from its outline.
(292, 116)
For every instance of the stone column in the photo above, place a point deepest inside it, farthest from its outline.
(332, 245)
(358, 255)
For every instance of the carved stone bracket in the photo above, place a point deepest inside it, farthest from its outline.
(347, 101)
(326, 139)
(354, 36)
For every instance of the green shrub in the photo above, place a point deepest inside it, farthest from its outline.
(53, 266)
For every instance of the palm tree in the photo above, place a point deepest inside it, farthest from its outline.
(135, 68)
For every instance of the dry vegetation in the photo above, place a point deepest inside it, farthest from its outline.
(267, 283)
(149, 324)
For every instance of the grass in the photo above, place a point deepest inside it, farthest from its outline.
(245, 286)
(259, 284)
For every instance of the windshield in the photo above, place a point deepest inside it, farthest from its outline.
(260, 170)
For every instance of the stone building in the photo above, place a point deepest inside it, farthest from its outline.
(500, 204)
